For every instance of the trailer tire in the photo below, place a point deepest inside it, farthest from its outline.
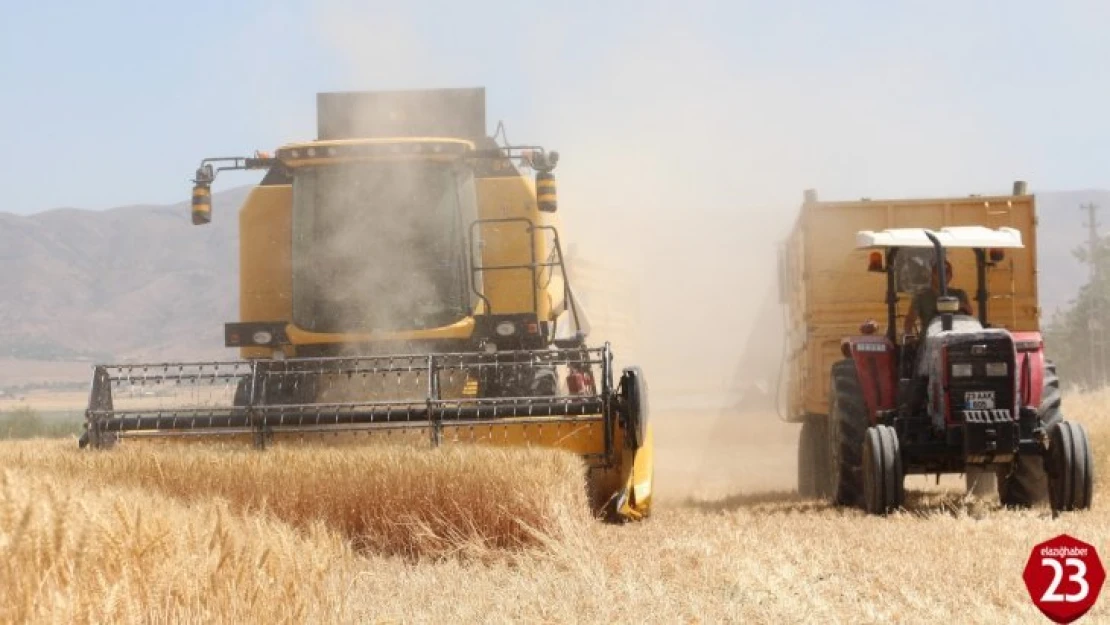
(848, 422)
(814, 468)
(1024, 482)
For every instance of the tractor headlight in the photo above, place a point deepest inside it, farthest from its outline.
(505, 328)
(997, 369)
(262, 337)
(961, 370)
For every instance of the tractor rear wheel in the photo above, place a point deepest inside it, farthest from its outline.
(814, 475)
(883, 489)
(1024, 483)
(1070, 468)
(847, 423)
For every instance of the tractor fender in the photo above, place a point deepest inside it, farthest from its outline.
(876, 366)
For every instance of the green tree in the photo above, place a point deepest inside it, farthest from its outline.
(1076, 337)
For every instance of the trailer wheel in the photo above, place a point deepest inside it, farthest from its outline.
(1070, 468)
(814, 474)
(882, 470)
(847, 424)
(1024, 483)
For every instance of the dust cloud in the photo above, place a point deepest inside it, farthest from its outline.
(368, 229)
(680, 173)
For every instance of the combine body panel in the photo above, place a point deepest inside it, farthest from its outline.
(402, 277)
(827, 296)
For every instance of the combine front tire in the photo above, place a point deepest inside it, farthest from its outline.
(1069, 467)
(814, 475)
(847, 424)
(882, 470)
(1024, 483)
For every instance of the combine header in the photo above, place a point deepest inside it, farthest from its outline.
(400, 277)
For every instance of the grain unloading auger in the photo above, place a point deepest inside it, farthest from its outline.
(401, 278)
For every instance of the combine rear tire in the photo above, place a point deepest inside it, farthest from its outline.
(814, 475)
(848, 421)
(1070, 468)
(1024, 483)
(882, 470)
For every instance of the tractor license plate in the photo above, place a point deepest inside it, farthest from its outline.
(979, 400)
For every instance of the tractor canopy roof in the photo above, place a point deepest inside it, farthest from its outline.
(954, 237)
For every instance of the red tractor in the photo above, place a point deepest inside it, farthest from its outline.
(959, 396)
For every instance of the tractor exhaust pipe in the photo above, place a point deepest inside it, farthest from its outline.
(944, 301)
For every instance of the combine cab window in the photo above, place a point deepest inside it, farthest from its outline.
(381, 246)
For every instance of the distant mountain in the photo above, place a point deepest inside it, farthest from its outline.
(131, 282)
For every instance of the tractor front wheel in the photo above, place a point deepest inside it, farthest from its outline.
(883, 481)
(1070, 468)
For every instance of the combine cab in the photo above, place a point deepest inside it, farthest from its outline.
(401, 277)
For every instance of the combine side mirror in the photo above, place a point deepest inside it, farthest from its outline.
(546, 199)
(875, 262)
(202, 195)
(202, 204)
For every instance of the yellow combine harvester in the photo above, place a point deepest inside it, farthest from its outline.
(400, 275)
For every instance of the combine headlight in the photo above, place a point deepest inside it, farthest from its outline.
(262, 337)
(505, 328)
(961, 370)
(997, 369)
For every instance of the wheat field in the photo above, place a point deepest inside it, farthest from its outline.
(483, 535)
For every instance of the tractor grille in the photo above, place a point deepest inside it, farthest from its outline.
(978, 352)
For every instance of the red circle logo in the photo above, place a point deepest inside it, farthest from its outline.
(1064, 576)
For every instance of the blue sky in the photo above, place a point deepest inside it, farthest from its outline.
(112, 103)
(688, 131)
